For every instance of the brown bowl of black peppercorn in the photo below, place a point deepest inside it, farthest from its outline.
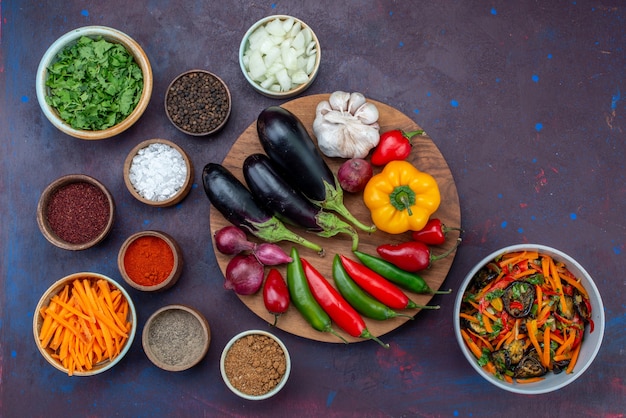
(198, 103)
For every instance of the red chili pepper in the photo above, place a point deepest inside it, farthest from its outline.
(433, 233)
(340, 311)
(411, 256)
(516, 305)
(393, 145)
(379, 287)
(275, 294)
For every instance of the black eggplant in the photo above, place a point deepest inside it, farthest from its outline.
(231, 198)
(287, 142)
(288, 204)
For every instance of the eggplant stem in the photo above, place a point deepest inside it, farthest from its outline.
(334, 202)
(274, 230)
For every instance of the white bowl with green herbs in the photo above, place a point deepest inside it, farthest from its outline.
(94, 82)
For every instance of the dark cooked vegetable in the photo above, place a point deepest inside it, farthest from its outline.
(528, 367)
(518, 298)
(288, 204)
(287, 142)
(231, 198)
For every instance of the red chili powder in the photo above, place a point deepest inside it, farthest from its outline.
(78, 212)
(148, 260)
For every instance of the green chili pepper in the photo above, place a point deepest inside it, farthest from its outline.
(360, 300)
(303, 299)
(405, 279)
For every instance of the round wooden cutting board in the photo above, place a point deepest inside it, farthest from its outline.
(425, 156)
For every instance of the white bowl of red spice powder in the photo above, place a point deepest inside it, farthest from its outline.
(150, 261)
(75, 212)
(255, 365)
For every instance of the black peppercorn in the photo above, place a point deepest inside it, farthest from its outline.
(198, 102)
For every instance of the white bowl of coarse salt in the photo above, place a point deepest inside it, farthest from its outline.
(158, 173)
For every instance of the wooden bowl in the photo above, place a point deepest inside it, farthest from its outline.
(82, 214)
(50, 354)
(176, 337)
(257, 84)
(110, 35)
(173, 199)
(213, 95)
(160, 282)
(247, 353)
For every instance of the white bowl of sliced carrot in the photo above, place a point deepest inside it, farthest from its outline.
(529, 319)
(84, 324)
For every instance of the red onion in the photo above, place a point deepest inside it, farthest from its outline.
(354, 174)
(232, 240)
(270, 254)
(244, 274)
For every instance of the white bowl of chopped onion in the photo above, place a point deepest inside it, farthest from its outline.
(280, 56)
(545, 329)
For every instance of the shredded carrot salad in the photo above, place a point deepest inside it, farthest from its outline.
(85, 324)
(524, 315)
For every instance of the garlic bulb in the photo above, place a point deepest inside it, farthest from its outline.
(346, 125)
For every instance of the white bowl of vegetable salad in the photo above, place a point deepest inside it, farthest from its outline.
(529, 319)
(94, 82)
(280, 56)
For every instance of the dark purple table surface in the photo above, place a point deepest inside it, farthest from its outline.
(524, 99)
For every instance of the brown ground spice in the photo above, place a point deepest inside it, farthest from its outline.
(255, 364)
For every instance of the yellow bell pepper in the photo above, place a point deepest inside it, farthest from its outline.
(401, 198)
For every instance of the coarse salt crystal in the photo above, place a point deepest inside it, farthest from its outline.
(158, 172)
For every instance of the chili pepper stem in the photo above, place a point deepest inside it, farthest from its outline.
(366, 334)
(413, 305)
(447, 229)
(332, 331)
(447, 253)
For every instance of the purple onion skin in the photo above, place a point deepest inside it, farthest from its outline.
(231, 240)
(270, 254)
(354, 174)
(244, 274)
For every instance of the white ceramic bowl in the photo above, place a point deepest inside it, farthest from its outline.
(108, 34)
(53, 290)
(591, 342)
(276, 388)
(243, 47)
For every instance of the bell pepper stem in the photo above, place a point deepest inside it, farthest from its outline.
(411, 134)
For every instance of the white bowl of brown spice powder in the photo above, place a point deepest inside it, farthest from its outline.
(255, 365)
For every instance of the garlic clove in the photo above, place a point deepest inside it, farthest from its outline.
(355, 101)
(339, 100)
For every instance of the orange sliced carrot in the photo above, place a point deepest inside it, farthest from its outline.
(559, 288)
(532, 334)
(546, 348)
(574, 282)
(471, 344)
(572, 362)
(530, 380)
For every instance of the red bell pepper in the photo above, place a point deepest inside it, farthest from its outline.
(393, 145)
(433, 233)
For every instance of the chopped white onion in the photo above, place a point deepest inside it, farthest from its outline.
(280, 55)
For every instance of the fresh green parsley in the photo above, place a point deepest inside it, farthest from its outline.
(94, 84)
